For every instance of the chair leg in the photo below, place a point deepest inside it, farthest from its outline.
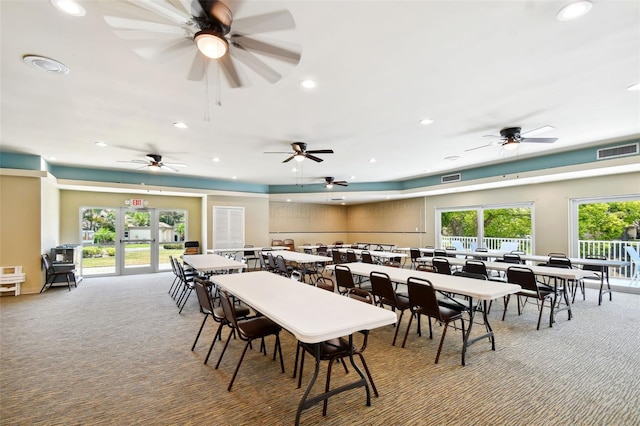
(232, 332)
(218, 335)
(444, 333)
(46, 282)
(397, 328)
(199, 331)
(540, 314)
(185, 300)
(506, 303)
(366, 369)
(235, 373)
(406, 332)
(325, 404)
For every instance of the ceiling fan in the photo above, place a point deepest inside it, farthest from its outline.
(329, 182)
(154, 163)
(300, 153)
(510, 138)
(207, 27)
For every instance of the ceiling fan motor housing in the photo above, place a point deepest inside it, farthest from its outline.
(510, 133)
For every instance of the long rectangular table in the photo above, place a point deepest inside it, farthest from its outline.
(243, 249)
(209, 263)
(557, 274)
(483, 291)
(304, 311)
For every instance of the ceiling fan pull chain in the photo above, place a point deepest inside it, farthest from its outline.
(206, 94)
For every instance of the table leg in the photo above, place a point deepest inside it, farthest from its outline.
(467, 341)
(307, 402)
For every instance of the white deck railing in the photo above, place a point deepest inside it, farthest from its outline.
(614, 250)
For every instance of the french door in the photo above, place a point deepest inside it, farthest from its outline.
(119, 241)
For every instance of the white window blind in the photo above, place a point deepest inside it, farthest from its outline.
(228, 227)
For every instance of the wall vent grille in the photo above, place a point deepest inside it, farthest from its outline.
(456, 177)
(617, 151)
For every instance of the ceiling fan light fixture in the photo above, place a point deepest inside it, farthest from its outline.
(70, 7)
(154, 167)
(298, 157)
(574, 10)
(328, 185)
(510, 145)
(211, 44)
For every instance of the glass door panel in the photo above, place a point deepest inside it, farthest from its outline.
(171, 232)
(508, 229)
(459, 229)
(98, 241)
(138, 242)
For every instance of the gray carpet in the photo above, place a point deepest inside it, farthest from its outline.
(116, 351)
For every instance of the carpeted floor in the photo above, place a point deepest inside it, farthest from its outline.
(116, 351)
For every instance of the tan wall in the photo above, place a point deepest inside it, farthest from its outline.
(20, 228)
(256, 217)
(399, 222)
(72, 201)
(307, 223)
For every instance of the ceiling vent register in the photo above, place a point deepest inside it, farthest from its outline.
(456, 177)
(617, 151)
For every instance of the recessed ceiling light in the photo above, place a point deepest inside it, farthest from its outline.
(294, 170)
(69, 7)
(352, 178)
(46, 64)
(426, 121)
(180, 125)
(452, 158)
(215, 159)
(634, 87)
(234, 177)
(101, 144)
(308, 84)
(372, 160)
(574, 10)
(288, 200)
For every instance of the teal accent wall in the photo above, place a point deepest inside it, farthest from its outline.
(11, 160)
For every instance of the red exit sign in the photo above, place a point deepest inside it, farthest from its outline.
(137, 202)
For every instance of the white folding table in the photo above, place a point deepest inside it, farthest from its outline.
(481, 290)
(311, 314)
(209, 263)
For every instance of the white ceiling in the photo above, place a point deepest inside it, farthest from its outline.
(473, 67)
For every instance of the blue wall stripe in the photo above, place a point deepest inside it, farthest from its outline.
(549, 161)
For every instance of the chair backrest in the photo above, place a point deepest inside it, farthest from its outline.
(511, 258)
(272, 261)
(596, 268)
(415, 254)
(366, 257)
(439, 253)
(338, 243)
(633, 254)
(337, 257)
(230, 313)
(325, 283)
(441, 265)
(249, 253)
(552, 254)
(382, 286)
(296, 275)
(475, 267)
(344, 278)
(204, 297)
(173, 264)
(555, 260)
(361, 295)
(351, 256)
(425, 268)
(282, 265)
(522, 276)
(276, 243)
(46, 262)
(192, 247)
(470, 275)
(422, 295)
(263, 263)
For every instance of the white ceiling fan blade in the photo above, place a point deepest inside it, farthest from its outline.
(133, 161)
(145, 35)
(538, 140)
(137, 24)
(166, 10)
(191, 7)
(164, 166)
(537, 131)
(252, 61)
(198, 67)
(174, 164)
(478, 147)
(274, 21)
(159, 49)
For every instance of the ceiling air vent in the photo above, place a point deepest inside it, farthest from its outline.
(617, 151)
(457, 177)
